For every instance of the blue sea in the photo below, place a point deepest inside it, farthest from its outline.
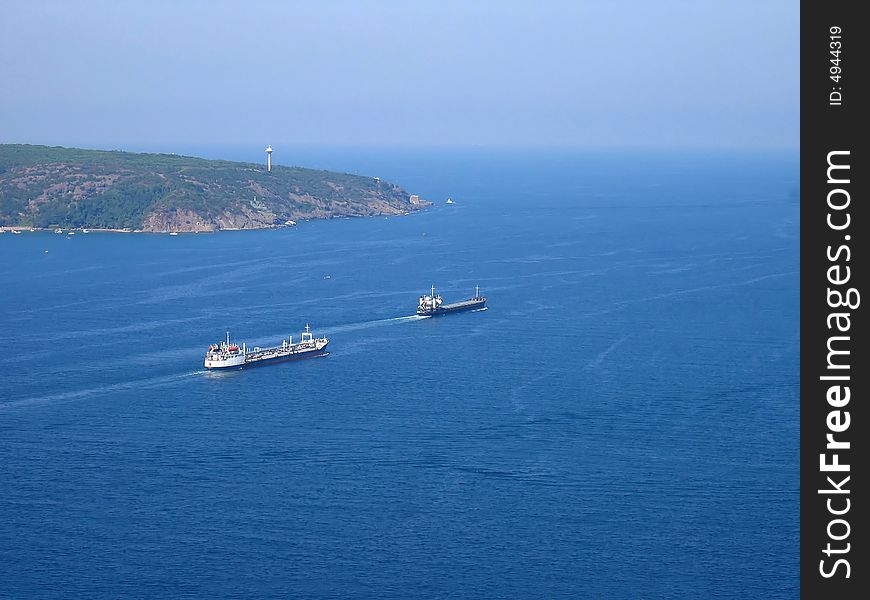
(622, 422)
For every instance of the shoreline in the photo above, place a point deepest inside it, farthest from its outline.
(194, 195)
(66, 230)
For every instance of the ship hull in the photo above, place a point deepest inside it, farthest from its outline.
(281, 359)
(261, 362)
(447, 309)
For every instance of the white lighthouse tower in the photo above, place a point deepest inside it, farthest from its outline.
(269, 158)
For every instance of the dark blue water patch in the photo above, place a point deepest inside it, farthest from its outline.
(621, 422)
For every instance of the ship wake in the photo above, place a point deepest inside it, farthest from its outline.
(151, 382)
(374, 323)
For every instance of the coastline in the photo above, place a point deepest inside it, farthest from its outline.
(126, 192)
(66, 230)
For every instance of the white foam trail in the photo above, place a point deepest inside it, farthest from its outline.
(103, 389)
(596, 362)
(168, 379)
(264, 342)
(375, 323)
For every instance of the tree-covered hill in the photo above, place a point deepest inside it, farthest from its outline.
(42, 186)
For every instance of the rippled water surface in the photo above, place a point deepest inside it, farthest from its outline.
(622, 422)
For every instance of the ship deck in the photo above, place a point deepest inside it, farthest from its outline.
(278, 351)
(463, 304)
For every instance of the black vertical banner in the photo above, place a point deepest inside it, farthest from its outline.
(835, 370)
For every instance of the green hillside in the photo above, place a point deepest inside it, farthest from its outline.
(47, 187)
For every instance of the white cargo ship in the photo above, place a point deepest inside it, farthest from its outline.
(228, 355)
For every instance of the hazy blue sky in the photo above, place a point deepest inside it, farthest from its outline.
(118, 74)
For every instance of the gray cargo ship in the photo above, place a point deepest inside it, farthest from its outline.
(433, 305)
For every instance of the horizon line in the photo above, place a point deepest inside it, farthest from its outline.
(173, 147)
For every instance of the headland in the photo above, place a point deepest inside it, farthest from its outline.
(43, 187)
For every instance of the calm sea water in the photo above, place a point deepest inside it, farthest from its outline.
(622, 422)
